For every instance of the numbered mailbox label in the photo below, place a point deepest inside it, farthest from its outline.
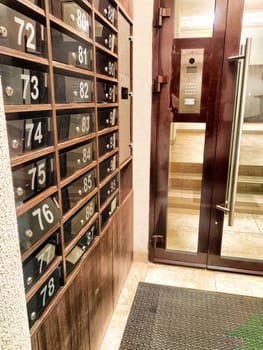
(105, 36)
(71, 51)
(37, 221)
(71, 126)
(83, 244)
(76, 158)
(107, 167)
(107, 143)
(37, 264)
(78, 189)
(106, 9)
(106, 92)
(80, 219)
(76, 17)
(26, 135)
(43, 297)
(106, 65)
(107, 118)
(108, 189)
(73, 90)
(109, 210)
(21, 33)
(23, 86)
(32, 178)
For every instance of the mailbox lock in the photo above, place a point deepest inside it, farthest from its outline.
(78, 129)
(73, 54)
(108, 170)
(82, 222)
(72, 17)
(15, 144)
(19, 191)
(75, 92)
(3, 32)
(29, 233)
(9, 91)
(29, 280)
(106, 69)
(33, 316)
(79, 161)
(107, 121)
(108, 192)
(80, 192)
(106, 41)
(105, 12)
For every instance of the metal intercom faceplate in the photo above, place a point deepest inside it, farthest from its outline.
(191, 73)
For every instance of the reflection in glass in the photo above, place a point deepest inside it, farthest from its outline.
(245, 238)
(194, 19)
(185, 177)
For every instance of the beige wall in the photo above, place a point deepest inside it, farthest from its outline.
(14, 332)
(143, 12)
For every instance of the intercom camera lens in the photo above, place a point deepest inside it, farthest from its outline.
(192, 60)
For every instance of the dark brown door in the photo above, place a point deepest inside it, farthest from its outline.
(206, 168)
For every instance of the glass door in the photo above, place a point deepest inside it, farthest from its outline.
(182, 157)
(241, 240)
(206, 206)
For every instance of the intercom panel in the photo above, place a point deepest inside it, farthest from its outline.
(191, 73)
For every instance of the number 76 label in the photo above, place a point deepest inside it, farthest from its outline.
(37, 221)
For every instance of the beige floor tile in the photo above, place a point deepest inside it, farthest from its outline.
(239, 284)
(175, 276)
(116, 328)
(181, 277)
(136, 274)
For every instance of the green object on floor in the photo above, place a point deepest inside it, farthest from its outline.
(252, 332)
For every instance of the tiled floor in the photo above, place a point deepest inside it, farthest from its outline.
(175, 276)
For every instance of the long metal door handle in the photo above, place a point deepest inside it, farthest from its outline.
(237, 128)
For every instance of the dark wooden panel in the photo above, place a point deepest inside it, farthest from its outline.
(122, 245)
(100, 297)
(34, 342)
(128, 6)
(67, 327)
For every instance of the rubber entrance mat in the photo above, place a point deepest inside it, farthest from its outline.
(171, 318)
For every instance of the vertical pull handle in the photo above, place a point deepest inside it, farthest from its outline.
(237, 128)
